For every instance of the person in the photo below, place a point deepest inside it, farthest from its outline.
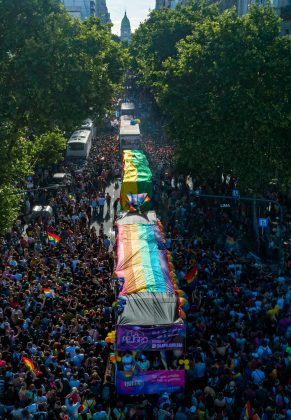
(108, 201)
(165, 413)
(101, 202)
(100, 414)
(143, 363)
(127, 361)
(72, 408)
(115, 206)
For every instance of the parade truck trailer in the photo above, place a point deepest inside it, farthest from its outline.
(137, 188)
(148, 323)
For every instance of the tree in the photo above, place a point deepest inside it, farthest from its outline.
(156, 39)
(15, 152)
(227, 95)
(49, 149)
(55, 71)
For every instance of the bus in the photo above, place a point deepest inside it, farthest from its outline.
(88, 124)
(129, 136)
(79, 144)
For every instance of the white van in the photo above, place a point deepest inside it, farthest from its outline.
(79, 144)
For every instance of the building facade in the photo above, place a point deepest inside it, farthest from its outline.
(282, 8)
(102, 11)
(125, 30)
(170, 4)
(81, 9)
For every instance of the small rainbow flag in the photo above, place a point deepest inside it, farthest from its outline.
(29, 364)
(128, 374)
(192, 274)
(49, 293)
(83, 409)
(164, 359)
(248, 410)
(53, 239)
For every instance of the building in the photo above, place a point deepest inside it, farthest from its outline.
(102, 11)
(81, 9)
(170, 4)
(125, 30)
(282, 8)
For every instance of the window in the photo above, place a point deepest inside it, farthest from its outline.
(76, 146)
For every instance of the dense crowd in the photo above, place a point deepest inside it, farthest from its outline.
(61, 334)
(238, 325)
(239, 322)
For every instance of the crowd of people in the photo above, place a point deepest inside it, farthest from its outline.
(56, 307)
(56, 300)
(239, 322)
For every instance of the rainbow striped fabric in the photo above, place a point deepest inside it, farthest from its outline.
(29, 364)
(53, 239)
(49, 293)
(192, 274)
(142, 260)
(136, 185)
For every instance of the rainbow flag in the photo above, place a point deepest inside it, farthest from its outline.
(53, 239)
(29, 364)
(136, 187)
(248, 410)
(192, 274)
(49, 293)
(140, 261)
(164, 359)
(128, 374)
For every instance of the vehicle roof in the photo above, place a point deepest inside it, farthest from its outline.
(87, 124)
(127, 105)
(60, 175)
(129, 129)
(80, 136)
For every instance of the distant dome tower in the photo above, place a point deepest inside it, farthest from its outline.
(125, 30)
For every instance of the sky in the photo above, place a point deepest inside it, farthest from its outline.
(137, 11)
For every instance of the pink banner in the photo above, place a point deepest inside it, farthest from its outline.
(150, 382)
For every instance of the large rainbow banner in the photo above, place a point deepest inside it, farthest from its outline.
(142, 262)
(136, 189)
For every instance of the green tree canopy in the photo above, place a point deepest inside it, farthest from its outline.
(156, 39)
(224, 83)
(228, 97)
(55, 71)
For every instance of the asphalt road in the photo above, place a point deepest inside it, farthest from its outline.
(107, 217)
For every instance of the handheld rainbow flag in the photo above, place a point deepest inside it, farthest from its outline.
(192, 274)
(248, 409)
(49, 293)
(53, 239)
(164, 359)
(128, 374)
(29, 364)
